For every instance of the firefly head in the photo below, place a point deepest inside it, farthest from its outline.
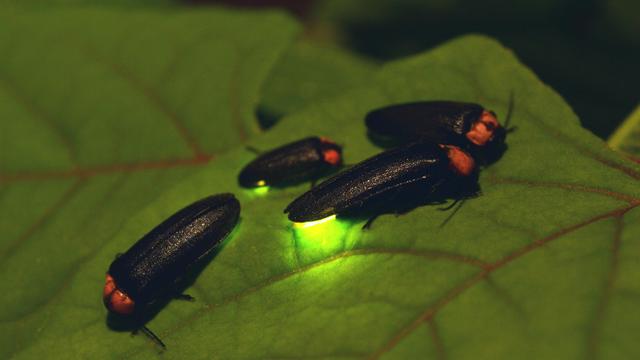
(116, 300)
(485, 129)
(488, 138)
(331, 152)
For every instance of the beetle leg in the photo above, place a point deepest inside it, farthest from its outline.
(151, 336)
(253, 150)
(118, 255)
(460, 203)
(450, 206)
(367, 225)
(185, 297)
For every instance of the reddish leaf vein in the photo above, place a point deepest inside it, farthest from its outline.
(44, 218)
(431, 310)
(595, 331)
(97, 170)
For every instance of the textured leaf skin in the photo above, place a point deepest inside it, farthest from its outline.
(53, 3)
(100, 114)
(135, 86)
(542, 265)
(310, 73)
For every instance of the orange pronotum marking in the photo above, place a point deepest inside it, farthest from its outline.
(121, 303)
(461, 162)
(115, 299)
(331, 156)
(483, 130)
(109, 287)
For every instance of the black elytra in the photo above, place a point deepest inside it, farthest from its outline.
(299, 161)
(397, 179)
(442, 122)
(153, 266)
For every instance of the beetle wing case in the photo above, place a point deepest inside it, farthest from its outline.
(441, 122)
(294, 162)
(154, 263)
(418, 166)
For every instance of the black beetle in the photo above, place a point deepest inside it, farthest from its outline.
(466, 125)
(396, 180)
(152, 267)
(303, 160)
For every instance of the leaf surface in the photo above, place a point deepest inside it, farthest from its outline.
(35, 4)
(101, 113)
(542, 265)
(309, 73)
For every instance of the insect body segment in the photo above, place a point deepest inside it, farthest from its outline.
(466, 125)
(460, 162)
(153, 266)
(303, 160)
(486, 130)
(389, 181)
(115, 300)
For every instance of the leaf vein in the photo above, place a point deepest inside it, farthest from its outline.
(38, 114)
(108, 169)
(434, 308)
(595, 330)
(155, 99)
(43, 218)
(436, 339)
(430, 254)
(571, 187)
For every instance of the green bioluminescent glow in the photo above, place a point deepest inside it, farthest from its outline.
(308, 224)
(315, 240)
(262, 190)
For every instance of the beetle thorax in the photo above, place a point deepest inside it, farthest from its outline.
(460, 162)
(116, 300)
(483, 130)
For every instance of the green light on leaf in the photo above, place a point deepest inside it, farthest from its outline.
(262, 190)
(304, 225)
(315, 240)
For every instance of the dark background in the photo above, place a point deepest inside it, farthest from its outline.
(587, 50)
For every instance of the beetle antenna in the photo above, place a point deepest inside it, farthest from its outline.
(153, 336)
(509, 113)
(456, 202)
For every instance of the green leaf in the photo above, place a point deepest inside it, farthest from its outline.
(57, 3)
(309, 73)
(542, 265)
(627, 137)
(102, 112)
(125, 88)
